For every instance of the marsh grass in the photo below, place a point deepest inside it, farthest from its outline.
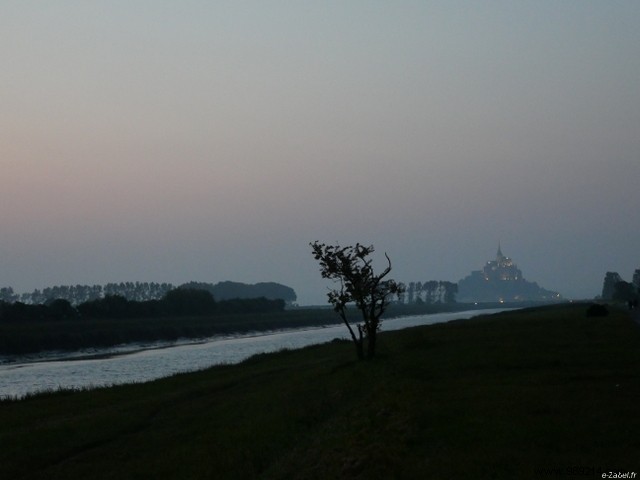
(501, 396)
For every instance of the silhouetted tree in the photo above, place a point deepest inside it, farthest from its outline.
(111, 306)
(187, 301)
(19, 311)
(430, 289)
(411, 292)
(61, 309)
(230, 290)
(8, 295)
(450, 291)
(418, 293)
(351, 268)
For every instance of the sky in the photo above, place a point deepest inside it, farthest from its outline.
(166, 141)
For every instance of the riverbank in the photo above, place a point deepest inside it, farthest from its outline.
(137, 363)
(33, 336)
(29, 337)
(512, 395)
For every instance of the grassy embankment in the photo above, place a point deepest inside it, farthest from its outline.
(502, 396)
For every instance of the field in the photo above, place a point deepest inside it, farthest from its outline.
(542, 393)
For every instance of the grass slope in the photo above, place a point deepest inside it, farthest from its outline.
(501, 396)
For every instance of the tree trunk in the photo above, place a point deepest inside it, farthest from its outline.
(357, 341)
(359, 344)
(371, 344)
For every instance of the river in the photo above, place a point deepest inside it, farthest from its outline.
(141, 363)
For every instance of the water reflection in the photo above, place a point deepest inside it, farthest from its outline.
(141, 363)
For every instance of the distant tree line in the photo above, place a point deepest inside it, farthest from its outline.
(146, 291)
(78, 294)
(429, 293)
(229, 290)
(175, 303)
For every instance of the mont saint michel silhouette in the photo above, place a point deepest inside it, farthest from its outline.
(501, 280)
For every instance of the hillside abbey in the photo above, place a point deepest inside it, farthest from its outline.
(500, 280)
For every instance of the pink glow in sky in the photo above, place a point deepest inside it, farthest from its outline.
(210, 141)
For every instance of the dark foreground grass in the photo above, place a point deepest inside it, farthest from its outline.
(545, 393)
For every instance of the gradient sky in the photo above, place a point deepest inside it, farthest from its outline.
(168, 141)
